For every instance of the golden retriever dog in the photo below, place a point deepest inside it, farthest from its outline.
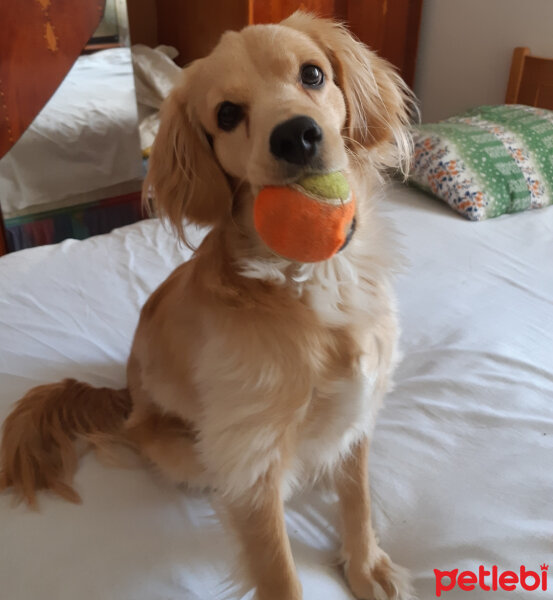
(251, 374)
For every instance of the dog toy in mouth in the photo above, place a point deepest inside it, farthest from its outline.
(308, 221)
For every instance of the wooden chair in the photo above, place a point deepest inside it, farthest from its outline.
(531, 80)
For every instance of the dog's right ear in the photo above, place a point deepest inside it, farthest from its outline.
(184, 179)
(379, 104)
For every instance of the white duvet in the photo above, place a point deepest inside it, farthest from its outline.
(85, 138)
(462, 460)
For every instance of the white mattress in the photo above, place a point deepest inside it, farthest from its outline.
(462, 457)
(85, 138)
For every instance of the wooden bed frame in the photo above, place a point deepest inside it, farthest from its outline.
(391, 27)
(531, 80)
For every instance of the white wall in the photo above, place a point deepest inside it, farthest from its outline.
(465, 50)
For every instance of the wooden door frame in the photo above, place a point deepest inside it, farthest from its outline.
(3, 237)
(412, 43)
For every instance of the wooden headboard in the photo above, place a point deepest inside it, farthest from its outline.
(391, 27)
(531, 80)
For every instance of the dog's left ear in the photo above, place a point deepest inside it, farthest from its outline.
(379, 103)
(184, 177)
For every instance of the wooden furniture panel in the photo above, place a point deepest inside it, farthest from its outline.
(391, 27)
(143, 22)
(273, 11)
(40, 41)
(530, 80)
(195, 26)
(401, 39)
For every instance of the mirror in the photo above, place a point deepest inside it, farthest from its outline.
(77, 170)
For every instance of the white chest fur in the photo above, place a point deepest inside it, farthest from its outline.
(349, 293)
(343, 409)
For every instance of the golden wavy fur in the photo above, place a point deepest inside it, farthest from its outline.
(250, 374)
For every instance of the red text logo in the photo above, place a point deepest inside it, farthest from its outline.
(492, 580)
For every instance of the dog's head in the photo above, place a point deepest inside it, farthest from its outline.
(269, 104)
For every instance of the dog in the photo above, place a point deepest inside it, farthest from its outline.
(251, 374)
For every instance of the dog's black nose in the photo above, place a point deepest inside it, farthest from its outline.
(297, 140)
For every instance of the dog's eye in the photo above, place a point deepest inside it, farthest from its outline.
(312, 76)
(229, 115)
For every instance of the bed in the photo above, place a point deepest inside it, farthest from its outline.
(77, 170)
(461, 462)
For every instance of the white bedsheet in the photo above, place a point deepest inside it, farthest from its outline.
(463, 451)
(85, 138)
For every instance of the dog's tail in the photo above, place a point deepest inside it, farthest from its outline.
(38, 444)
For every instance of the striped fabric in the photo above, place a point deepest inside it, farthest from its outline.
(79, 222)
(489, 161)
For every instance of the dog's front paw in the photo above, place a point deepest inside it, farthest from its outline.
(378, 579)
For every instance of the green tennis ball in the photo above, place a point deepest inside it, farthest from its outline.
(331, 186)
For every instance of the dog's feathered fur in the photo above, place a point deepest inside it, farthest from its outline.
(248, 373)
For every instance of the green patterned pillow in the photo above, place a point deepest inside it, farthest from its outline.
(488, 161)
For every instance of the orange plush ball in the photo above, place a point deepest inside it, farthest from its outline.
(309, 221)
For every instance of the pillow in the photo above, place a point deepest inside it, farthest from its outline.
(488, 161)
